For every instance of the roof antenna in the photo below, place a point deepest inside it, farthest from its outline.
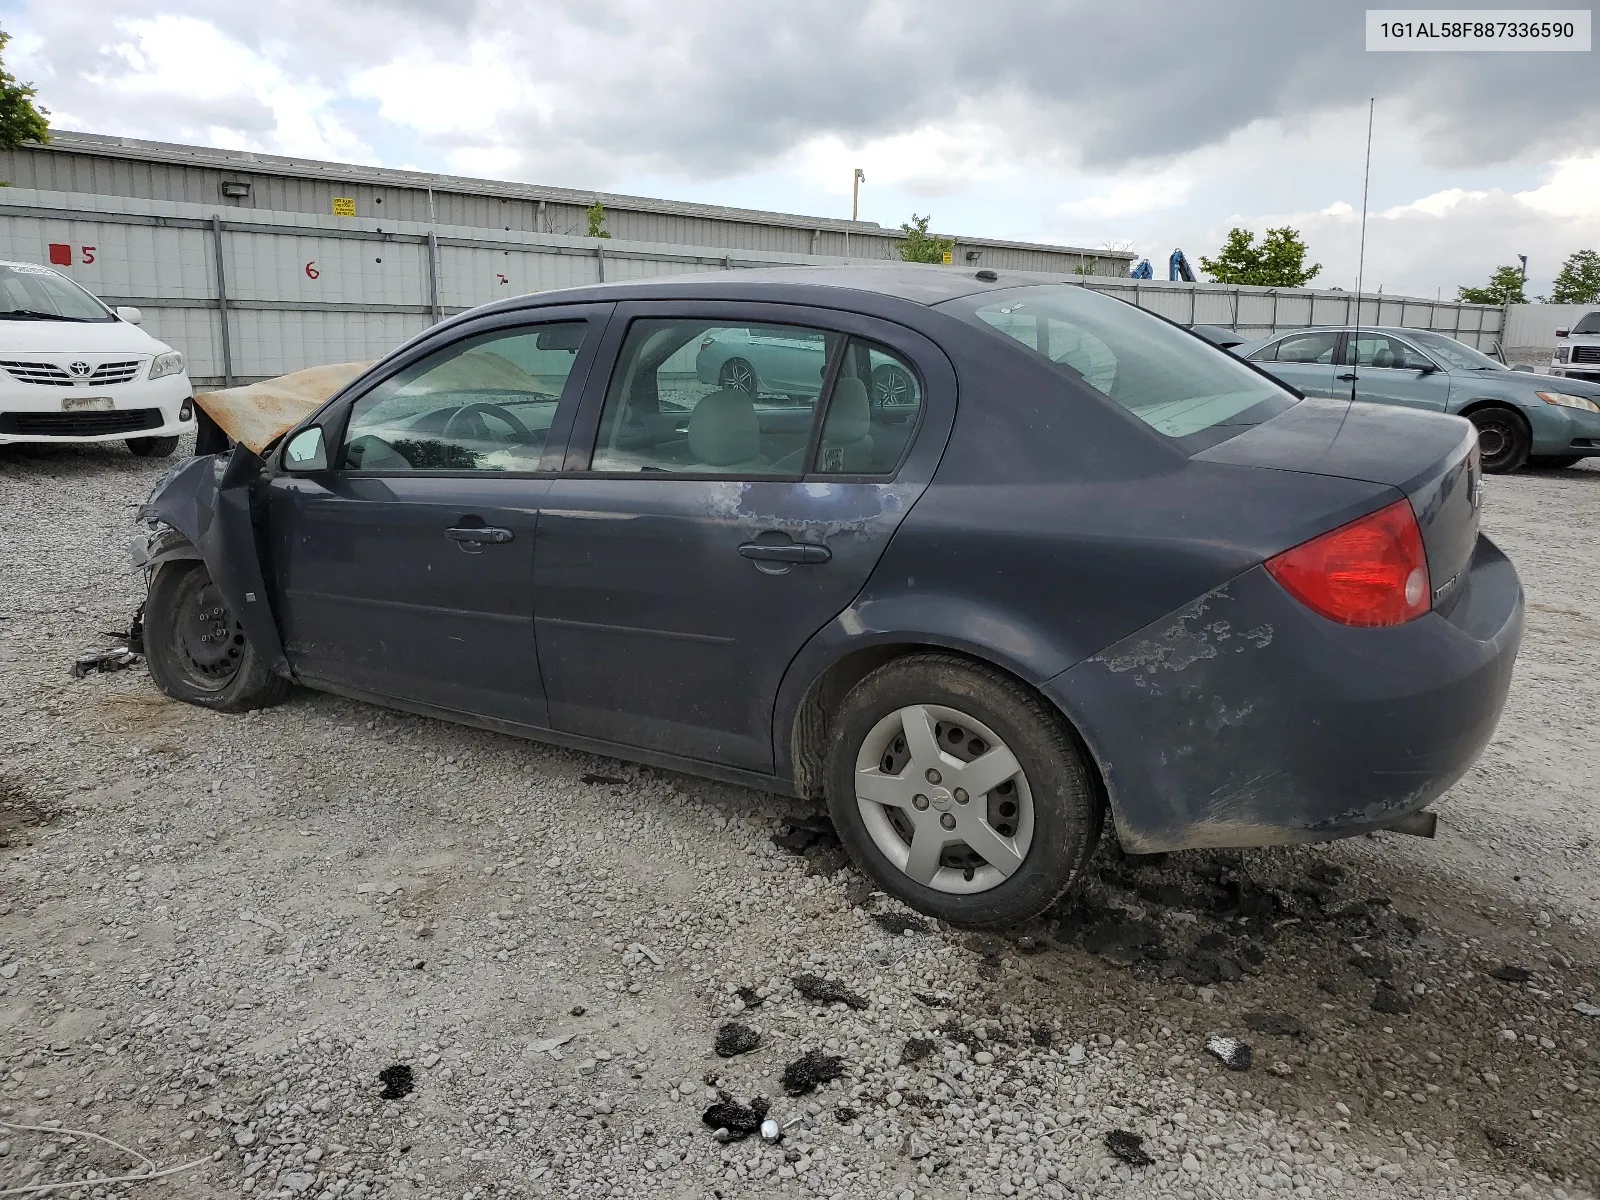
(1361, 257)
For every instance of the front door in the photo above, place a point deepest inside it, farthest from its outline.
(1389, 370)
(682, 563)
(1305, 362)
(406, 569)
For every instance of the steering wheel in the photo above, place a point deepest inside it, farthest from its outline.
(472, 410)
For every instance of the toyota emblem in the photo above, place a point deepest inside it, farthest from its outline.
(80, 369)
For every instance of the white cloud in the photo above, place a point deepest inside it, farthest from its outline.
(1571, 190)
(1133, 198)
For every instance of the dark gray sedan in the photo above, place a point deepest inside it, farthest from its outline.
(1086, 566)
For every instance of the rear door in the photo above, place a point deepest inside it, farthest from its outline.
(1389, 370)
(696, 539)
(406, 570)
(1304, 361)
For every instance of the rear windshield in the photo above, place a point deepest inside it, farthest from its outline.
(1589, 324)
(1178, 384)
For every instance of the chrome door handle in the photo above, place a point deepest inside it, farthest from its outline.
(786, 552)
(482, 534)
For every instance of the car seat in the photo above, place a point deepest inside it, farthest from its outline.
(847, 435)
(1383, 358)
(725, 434)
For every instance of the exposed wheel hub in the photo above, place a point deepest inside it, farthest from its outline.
(211, 640)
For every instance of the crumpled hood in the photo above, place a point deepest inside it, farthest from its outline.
(257, 413)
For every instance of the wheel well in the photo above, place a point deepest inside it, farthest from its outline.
(1480, 405)
(809, 736)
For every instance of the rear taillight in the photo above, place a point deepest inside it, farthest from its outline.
(1371, 572)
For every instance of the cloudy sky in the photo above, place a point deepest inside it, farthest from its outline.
(1145, 124)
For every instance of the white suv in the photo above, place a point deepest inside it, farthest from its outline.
(73, 370)
(1579, 358)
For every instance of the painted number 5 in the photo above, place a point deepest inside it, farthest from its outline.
(311, 269)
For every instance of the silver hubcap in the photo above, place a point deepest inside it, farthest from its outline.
(943, 799)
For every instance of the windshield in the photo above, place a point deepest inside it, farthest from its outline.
(1455, 354)
(1589, 324)
(30, 293)
(1175, 382)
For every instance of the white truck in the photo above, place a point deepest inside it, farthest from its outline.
(1578, 356)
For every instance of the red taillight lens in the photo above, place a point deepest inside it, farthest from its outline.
(1371, 572)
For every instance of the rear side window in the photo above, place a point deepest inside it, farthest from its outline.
(1315, 347)
(481, 404)
(872, 413)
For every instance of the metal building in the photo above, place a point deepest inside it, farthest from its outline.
(92, 164)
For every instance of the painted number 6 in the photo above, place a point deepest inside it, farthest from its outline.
(311, 270)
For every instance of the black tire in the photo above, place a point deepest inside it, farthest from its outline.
(1554, 462)
(1066, 805)
(153, 447)
(196, 651)
(737, 375)
(1503, 439)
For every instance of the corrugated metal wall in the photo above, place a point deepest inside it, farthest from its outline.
(121, 167)
(295, 290)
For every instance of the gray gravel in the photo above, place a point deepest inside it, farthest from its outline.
(215, 932)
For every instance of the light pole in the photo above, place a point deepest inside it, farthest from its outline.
(855, 193)
(1523, 259)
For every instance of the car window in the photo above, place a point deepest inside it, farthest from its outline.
(1588, 323)
(872, 412)
(1314, 347)
(1176, 383)
(697, 397)
(1384, 352)
(28, 292)
(481, 404)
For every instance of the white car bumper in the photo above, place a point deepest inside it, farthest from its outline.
(144, 408)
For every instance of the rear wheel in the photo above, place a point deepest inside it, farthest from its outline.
(959, 791)
(1503, 439)
(737, 376)
(196, 648)
(153, 447)
(1554, 461)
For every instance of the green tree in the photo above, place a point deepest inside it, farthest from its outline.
(1578, 281)
(20, 121)
(597, 220)
(1504, 287)
(921, 246)
(1278, 261)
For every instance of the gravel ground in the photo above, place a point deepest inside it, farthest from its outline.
(218, 933)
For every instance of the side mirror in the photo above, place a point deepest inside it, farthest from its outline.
(306, 452)
(1526, 367)
(131, 315)
(1426, 368)
(1562, 332)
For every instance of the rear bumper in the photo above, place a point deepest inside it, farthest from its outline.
(30, 413)
(1245, 719)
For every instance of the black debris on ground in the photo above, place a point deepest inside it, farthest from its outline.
(844, 1114)
(104, 662)
(1129, 1147)
(916, 1049)
(1328, 873)
(1042, 1035)
(1122, 940)
(899, 924)
(956, 1032)
(1373, 966)
(826, 991)
(578, 1010)
(1231, 1053)
(795, 841)
(858, 892)
(739, 1120)
(1499, 1138)
(1386, 1000)
(396, 1081)
(733, 1038)
(826, 857)
(596, 777)
(1511, 974)
(810, 1071)
(1275, 1023)
(930, 1000)
(751, 997)
(1030, 945)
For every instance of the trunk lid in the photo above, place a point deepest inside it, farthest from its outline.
(1429, 456)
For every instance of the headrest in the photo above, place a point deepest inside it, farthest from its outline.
(723, 429)
(850, 414)
(1383, 358)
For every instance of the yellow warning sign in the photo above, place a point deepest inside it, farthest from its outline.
(948, 258)
(344, 206)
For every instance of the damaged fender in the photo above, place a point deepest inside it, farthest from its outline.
(1245, 719)
(202, 510)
